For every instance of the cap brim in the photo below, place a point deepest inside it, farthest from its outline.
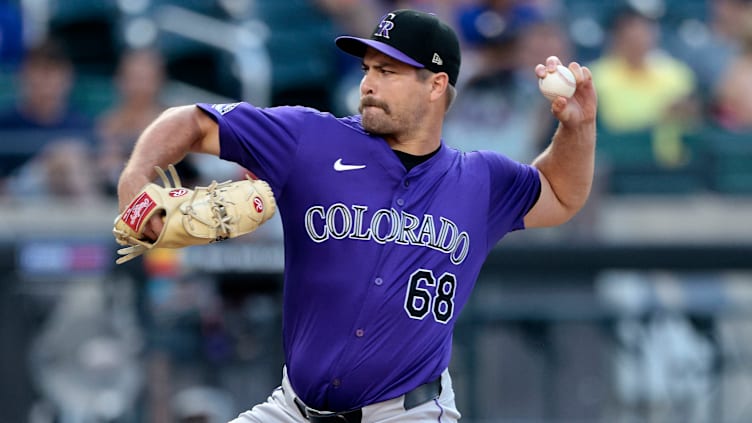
(357, 47)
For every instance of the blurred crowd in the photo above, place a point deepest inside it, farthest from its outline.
(672, 78)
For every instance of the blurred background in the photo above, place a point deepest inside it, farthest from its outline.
(638, 310)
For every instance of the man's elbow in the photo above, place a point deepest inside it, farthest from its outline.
(554, 212)
(573, 206)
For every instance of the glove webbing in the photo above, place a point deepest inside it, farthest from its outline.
(219, 212)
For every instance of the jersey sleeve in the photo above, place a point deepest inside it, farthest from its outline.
(263, 140)
(514, 190)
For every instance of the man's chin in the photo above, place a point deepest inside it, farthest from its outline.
(372, 127)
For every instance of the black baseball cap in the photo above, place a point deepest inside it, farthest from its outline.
(417, 38)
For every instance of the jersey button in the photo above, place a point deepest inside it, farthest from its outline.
(378, 281)
(336, 383)
(359, 333)
(400, 202)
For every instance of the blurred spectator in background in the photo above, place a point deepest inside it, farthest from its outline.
(733, 97)
(643, 88)
(499, 106)
(45, 81)
(11, 33)
(63, 169)
(139, 79)
(139, 82)
(544, 37)
(47, 143)
(639, 85)
(350, 16)
(708, 46)
(727, 16)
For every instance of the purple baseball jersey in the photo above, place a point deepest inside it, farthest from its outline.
(378, 261)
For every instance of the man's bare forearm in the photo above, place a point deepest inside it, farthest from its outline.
(568, 163)
(167, 140)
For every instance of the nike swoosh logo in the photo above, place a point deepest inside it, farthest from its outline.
(340, 167)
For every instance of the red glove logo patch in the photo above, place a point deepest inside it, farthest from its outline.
(134, 215)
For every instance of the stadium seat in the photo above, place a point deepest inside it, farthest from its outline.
(729, 156)
(632, 167)
(89, 39)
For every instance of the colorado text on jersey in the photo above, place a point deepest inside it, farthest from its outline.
(387, 225)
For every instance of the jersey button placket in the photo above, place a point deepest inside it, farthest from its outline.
(401, 192)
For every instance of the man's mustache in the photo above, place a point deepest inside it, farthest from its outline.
(372, 102)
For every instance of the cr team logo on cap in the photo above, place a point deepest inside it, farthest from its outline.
(386, 25)
(419, 39)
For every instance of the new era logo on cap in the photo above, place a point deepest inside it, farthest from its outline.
(417, 38)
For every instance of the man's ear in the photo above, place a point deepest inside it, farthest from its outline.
(439, 84)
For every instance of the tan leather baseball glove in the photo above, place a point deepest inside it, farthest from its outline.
(192, 216)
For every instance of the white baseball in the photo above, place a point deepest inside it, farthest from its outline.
(559, 83)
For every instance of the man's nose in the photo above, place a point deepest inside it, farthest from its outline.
(366, 85)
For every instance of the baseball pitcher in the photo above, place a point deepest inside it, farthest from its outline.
(385, 227)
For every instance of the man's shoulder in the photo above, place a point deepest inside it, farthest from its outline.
(319, 115)
(488, 160)
(350, 122)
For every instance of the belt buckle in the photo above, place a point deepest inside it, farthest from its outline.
(328, 417)
(312, 412)
(314, 415)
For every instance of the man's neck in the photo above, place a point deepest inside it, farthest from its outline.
(416, 145)
(411, 160)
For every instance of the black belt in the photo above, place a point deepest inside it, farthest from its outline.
(423, 393)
